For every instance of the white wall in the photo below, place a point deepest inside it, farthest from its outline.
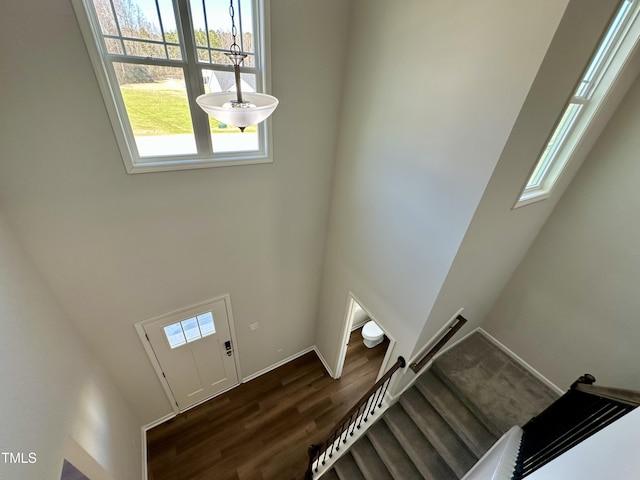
(499, 236)
(117, 249)
(54, 392)
(572, 305)
(431, 94)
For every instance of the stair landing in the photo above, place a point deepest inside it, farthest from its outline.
(499, 390)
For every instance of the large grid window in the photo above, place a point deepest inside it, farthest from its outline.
(154, 57)
(600, 75)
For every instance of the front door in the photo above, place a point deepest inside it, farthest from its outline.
(194, 351)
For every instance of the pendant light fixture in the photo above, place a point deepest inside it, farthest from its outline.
(236, 108)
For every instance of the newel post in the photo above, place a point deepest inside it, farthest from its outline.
(312, 451)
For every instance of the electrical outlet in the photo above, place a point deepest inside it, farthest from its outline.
(254, 326)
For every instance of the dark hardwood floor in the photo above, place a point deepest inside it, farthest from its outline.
(260, 430)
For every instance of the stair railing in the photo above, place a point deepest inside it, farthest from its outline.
(444, 336)
(319, 453)
(581, 412)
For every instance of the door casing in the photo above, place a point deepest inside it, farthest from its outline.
(346, 332)
(156, 365)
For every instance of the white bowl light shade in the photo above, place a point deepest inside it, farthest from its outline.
(220, 107)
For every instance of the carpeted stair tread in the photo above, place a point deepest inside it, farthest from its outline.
(498, 387)
(452, 416)
(456, 414)
(394, 457)
(423, 455)
(368, 460)
(347, 468)
(454, 452)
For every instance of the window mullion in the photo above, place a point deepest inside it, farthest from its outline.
(145, 61)
(164, 37)
(206, 28)
(240, 23)
(194, 83)
(117, 24)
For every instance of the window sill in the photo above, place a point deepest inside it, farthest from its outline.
(191, 164)
(532, 196)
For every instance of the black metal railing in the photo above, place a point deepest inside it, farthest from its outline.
(453, 328)
(584, 410)
(352, 421)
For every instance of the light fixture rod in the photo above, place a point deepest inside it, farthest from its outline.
(236, 71)
(235, 53)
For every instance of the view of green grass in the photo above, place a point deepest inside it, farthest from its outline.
(161, 108)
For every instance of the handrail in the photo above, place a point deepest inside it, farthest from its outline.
(451, 331)
(630, 397)
(400, 363)
(582, 411)
(352, 420)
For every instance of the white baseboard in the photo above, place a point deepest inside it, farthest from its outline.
(324, 362)
(144, 453)
(155, 423)
(519, 359)
(359, 324)
(497, 343)
(144, 429)
(278, 364)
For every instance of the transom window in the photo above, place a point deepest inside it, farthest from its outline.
(154, 57)
(605, 65)
(189, 330)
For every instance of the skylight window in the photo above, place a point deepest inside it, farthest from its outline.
(605, 65)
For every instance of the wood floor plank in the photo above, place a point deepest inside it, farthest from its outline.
(260, 430)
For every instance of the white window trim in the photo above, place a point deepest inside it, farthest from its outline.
(610, 74)
(120, 123)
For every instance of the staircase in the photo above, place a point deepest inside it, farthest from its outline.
(449, 418)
